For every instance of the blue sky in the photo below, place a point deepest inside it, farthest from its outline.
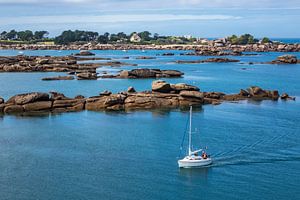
(203, 18)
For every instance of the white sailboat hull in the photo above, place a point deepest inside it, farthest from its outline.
(192, 163)
(193, 159)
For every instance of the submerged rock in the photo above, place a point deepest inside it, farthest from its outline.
(84, 53)
(220, 60)
(56, 78)
(145, 57)
(168, 54)
(86, 76)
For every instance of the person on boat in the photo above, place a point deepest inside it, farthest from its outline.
(204, 155)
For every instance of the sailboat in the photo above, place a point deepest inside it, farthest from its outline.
(196, 158)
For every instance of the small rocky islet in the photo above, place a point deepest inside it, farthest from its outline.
(72, 63)
(209, 60)
(145, 73)
(22, 63)
(162, 95)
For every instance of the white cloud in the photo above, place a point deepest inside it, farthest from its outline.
(168, 3)
(110, 18)
(42, 1)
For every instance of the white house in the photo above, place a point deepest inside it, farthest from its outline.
(135, 38)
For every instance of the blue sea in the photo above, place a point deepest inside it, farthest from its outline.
(255, 146)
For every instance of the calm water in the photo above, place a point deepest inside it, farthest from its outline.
(96, 155)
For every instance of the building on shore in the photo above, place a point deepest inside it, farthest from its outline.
(135, 38)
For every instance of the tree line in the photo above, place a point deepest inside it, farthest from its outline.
(69, 36)
(26, 35)
(144, 37)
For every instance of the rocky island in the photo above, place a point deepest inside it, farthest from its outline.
(145, 73)
(162, 95)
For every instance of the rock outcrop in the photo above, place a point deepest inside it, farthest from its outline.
(84, 53)
(161, 86)
(285, 59)
(57, 78)
(131, 89)
(86, 76)
(200, 52)
(68, 64)
(209, 60)
(145, 58)
(145, 73)
(1, 105)
(163, 95)
(183, 87)
(285, 96)
(168, 54)
(254, 93)
(22, 99)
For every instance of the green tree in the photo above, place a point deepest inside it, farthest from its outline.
(39, 35)
(11, 35)
(242, 40)
(25, 35)
(65, 38)
(233, 39)
(122, 35)
(104, 39)
(265, 40)
(76, 36)
(3, 35)
(145, 35)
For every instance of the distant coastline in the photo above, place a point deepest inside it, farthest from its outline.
(213, 47)
(89, 40)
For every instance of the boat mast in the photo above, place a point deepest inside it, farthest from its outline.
(190, 132)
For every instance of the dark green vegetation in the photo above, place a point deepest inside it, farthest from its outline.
(24, 36)
(145, 37)
(246, 39)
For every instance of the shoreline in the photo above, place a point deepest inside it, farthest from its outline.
(209, 47)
